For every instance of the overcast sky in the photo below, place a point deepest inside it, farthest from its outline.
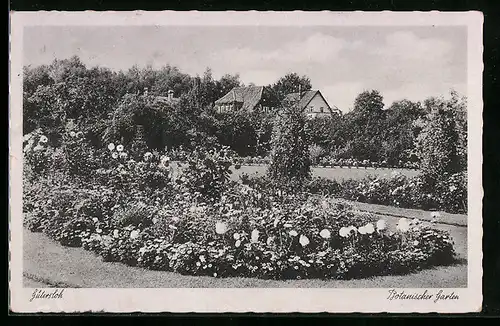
(412, 63)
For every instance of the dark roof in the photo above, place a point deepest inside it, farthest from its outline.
(249, 96)
(307, 96)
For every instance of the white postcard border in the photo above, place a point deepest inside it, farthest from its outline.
(247, 299)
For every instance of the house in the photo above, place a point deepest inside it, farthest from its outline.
(313, 103)
(249, 98)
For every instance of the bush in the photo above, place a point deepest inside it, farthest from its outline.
(79, 154)
(441, 143)
(207, 172)
(398, 190)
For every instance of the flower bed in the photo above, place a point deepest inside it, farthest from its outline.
(200, 223)
(332, 162)
(398, 190)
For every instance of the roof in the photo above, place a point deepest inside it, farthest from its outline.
(249, 96)
(307, 96)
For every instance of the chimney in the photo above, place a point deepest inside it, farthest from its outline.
(170, 94)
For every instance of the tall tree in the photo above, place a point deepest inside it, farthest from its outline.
(290, 160)
(291, 83)
(439, 143)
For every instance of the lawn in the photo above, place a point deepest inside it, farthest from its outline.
(334, 173)
(46, 262)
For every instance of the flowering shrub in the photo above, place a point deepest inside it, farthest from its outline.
(37, 153)
(79, 154)
(207, 172)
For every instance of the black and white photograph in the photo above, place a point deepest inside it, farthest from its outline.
(247, 156)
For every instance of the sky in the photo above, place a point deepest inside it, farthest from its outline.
(400, 62)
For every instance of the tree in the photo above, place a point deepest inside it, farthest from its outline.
(400, 132)
(225, 84)
(439, 144)
(290, 83)
(290, 161)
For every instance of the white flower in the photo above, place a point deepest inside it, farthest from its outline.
(98, 230)
(453, 188)
(255, 236)
(325, 234)
(270, 240)
(303, 240)
(114, 155)
(381, 225)
(95, 219)
(369, 228)
(220, 227)
(123, 155)
(202, 259)
(38, 148)
(415, 243)
(43, 139)
(119, 148)
(175, 219)
(198, 264)
(237, 243)
(116, 234)
(154, 220)
(344, 232)
(134, 234)
(403, 225)
(215, 274)
(111, 147)
(72, 134)
(293, 233)
(79, 134)
(236, 236)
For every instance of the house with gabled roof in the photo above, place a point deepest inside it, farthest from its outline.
(249, 99)
(312, 103)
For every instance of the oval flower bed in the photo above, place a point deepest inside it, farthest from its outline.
(245, 234)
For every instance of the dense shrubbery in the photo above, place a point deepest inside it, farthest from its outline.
(111, 106)
(398, 190)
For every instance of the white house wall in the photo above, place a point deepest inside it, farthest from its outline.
(316, 104)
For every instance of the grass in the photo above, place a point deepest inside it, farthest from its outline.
(47, 262)
(335, 173)
(446, 218)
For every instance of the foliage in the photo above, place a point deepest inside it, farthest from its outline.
(290, 83)
(207, 172)
(441, 145)
(290, 161)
